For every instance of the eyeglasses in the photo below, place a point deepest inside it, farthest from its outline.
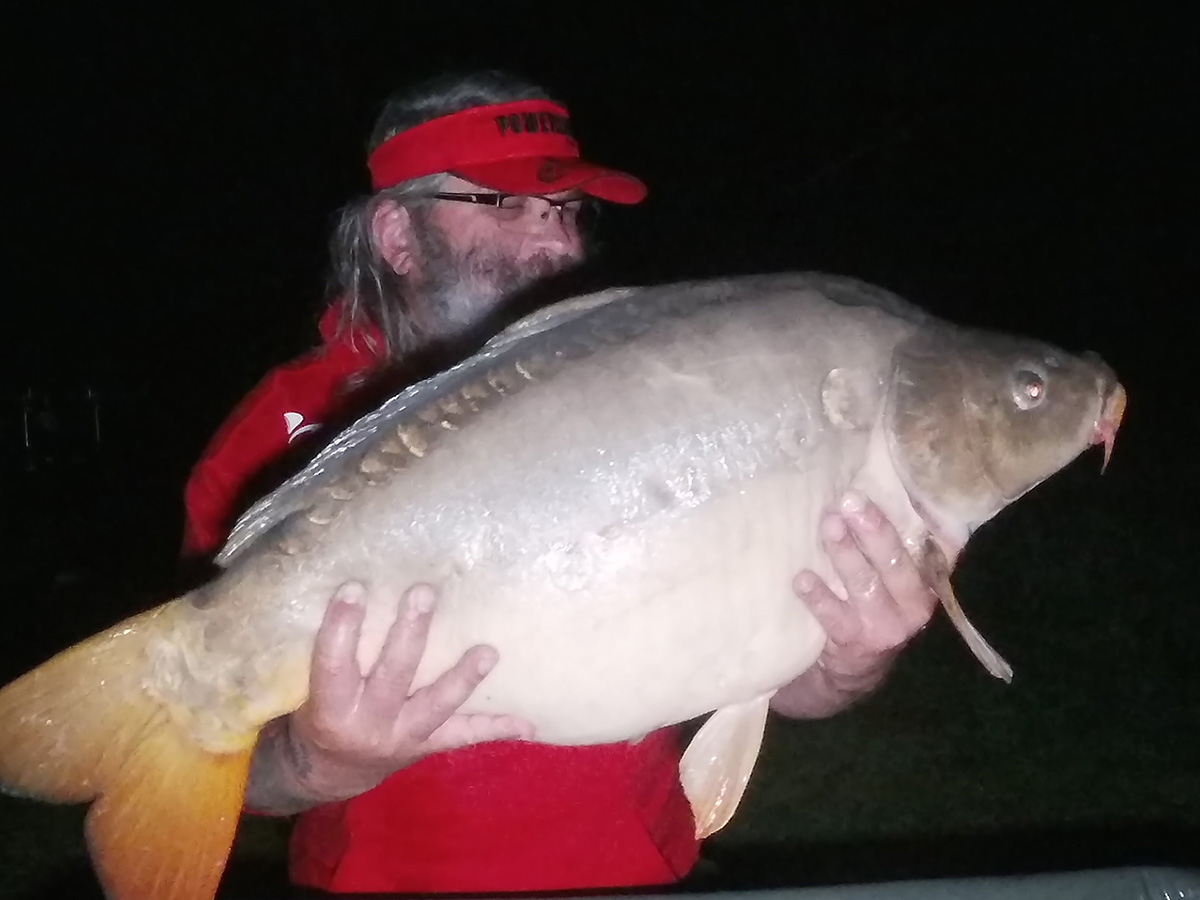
(512, 210)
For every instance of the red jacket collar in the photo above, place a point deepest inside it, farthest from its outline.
(361, 338)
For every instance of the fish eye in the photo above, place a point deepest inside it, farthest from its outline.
(1029, 388)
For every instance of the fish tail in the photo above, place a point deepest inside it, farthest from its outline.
(81, 728)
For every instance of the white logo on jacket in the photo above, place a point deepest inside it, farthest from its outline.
(294, 422)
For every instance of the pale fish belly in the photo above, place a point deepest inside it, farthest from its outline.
(709, 619)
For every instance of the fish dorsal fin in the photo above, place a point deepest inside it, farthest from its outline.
(717, 764)
(614, 314)
(297, 493)
(555, 314)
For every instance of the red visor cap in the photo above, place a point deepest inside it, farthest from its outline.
(524, 147)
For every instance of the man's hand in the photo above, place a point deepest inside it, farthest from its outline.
(356, 729)
(887, 604)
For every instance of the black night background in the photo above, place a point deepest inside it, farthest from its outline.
(172, 177)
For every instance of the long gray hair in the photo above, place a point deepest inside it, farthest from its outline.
(369, 289)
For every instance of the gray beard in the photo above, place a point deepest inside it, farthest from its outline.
(462, 290)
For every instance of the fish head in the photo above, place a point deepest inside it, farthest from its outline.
(975, 419)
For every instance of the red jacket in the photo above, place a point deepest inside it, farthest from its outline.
(504, 816)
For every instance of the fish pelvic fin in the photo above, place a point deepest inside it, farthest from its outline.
(82, 728)
(717, 764)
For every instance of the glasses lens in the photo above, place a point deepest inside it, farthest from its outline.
(529, 214)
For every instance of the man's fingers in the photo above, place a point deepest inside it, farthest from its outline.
(388, 685)
(335, 677)
(431, 706)
(863, 584)
(884, 550)
(835, 615)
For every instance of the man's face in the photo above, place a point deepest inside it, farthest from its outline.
(468, 257)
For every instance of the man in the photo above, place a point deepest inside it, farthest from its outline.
(478, 193)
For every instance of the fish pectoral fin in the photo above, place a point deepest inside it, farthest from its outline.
(716, 766)
(936, 571)
(165, 826)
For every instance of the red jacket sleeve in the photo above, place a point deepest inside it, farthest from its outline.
(247, 441)
(285, 405)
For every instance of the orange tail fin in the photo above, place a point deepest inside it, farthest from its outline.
(82, 728)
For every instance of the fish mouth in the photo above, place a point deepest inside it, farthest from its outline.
(1106, 427)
